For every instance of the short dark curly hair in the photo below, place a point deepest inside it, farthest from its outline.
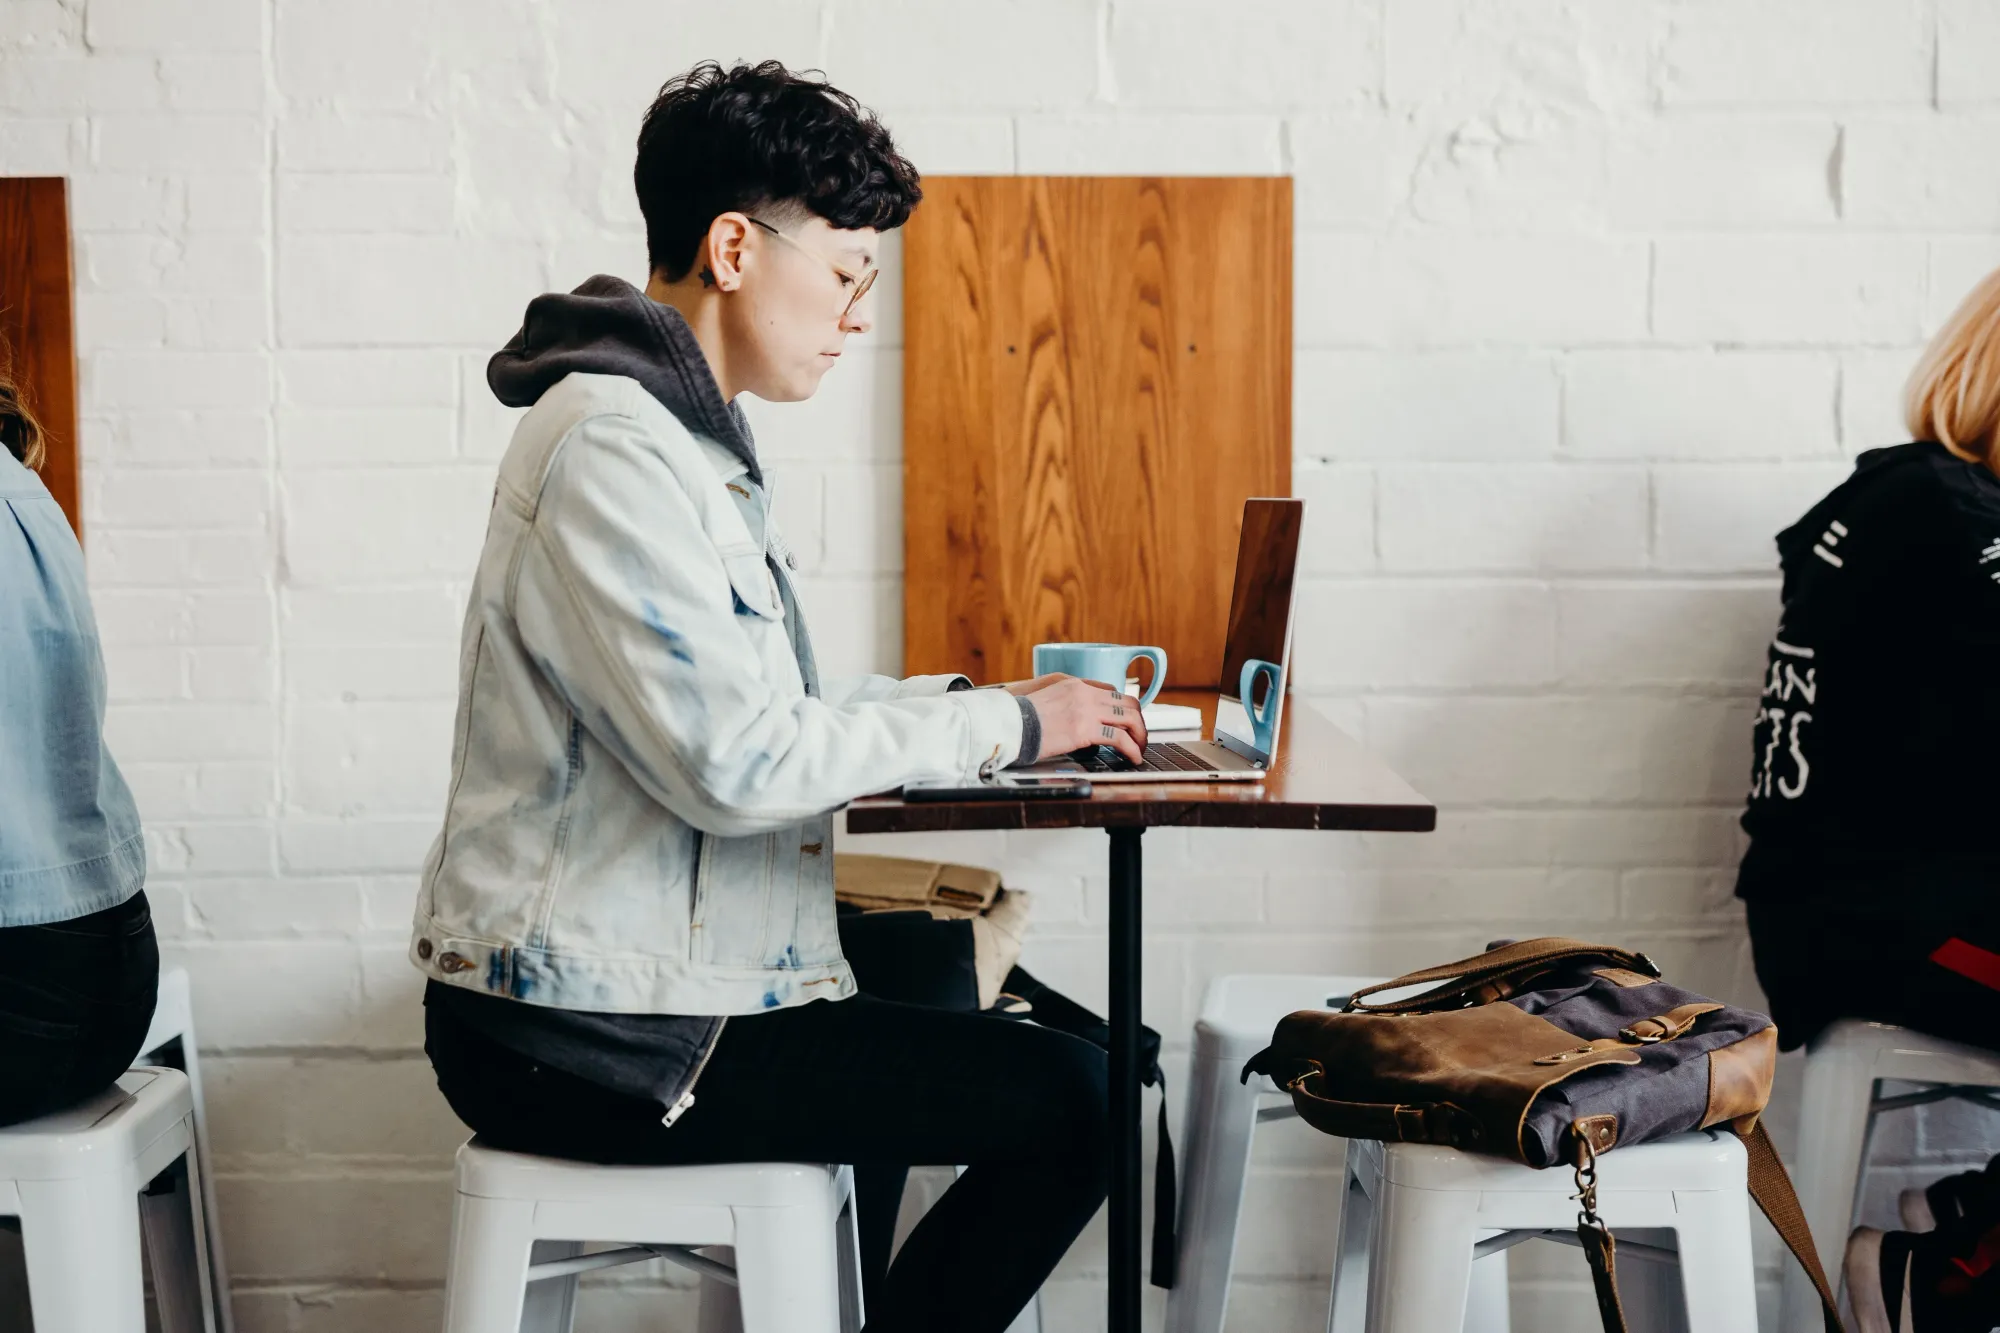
(761, 137)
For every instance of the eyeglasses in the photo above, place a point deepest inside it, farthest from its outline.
(860, 282)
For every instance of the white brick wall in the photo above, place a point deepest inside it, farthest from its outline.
(1590, 300)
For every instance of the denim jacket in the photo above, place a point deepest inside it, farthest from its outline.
(69, 835)
(642, 786)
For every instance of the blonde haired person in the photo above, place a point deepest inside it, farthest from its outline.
(78, 964)
(1872, 879)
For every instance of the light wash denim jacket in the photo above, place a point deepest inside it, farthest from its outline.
(69, 834)
(642, 785)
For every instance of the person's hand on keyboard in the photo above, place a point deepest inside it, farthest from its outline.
(1077, 714)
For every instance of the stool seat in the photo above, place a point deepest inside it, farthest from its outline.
(493, 1173)
(140, 1118)
(1905, 1053)
(85, 1182)
(1431, 1212)
(1839, 1101)
(521, 1226)
(1708, 1160)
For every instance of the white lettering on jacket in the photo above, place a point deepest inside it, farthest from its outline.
(1787, 682)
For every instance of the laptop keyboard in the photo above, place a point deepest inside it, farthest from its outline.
(1165, 757)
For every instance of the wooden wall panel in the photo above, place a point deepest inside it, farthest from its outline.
(1096, 375)
(37, 342)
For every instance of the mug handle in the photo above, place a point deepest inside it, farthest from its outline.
(1158, 658)
(1261, 718)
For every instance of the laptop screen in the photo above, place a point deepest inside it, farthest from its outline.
(1260, 615)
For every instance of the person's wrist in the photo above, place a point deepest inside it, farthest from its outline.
(1031, 732)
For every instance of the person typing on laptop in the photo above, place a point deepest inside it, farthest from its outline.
(628, 915)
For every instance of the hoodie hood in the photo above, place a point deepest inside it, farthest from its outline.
(609, 327)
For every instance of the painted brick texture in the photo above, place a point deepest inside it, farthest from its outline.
(1590, 300)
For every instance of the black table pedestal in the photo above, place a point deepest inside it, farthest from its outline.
(1124, 1201)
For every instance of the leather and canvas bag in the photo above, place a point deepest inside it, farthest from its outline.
(1546, 1051)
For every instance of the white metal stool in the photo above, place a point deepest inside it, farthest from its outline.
(1426, 1208)
(1838, 1105)
(520, 1224)
(85, 1183)
(1237, 1015)
(170, 1042)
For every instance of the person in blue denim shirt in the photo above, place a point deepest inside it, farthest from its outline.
(79, 967)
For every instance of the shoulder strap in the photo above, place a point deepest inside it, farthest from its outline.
(1600, 1249)
(1493, 975)
(1772, 1189)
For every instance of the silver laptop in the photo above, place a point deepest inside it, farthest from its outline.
(1260, 628)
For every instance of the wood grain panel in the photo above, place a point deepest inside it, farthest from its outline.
(1097, 374)
(37, 342)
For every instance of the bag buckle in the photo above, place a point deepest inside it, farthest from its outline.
(1642, 1038)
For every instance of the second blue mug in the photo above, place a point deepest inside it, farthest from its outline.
(1263, 716)
(1110, 663)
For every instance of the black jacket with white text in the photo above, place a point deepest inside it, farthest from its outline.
(1879, 723)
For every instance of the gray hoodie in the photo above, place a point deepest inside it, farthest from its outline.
(609, 327)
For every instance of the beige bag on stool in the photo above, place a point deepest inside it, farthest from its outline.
(948, 892)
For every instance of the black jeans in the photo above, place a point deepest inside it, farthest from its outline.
(76, 998)
(1873, 958)
(880, 1085)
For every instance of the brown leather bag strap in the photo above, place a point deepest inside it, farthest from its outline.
(1600, 1248)
(1387, 1122)
(1490, 973)
(1772, 1189)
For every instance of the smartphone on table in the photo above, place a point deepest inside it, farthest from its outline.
(1002, 788)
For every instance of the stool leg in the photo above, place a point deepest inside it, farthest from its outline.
(82, 1244)
(1221, 1117)
(788, 1279)
(1838, 1089)
(719, 1311)
(1718, 1277)
(1487, 1302)
(486, 1277)
(170, 1215)
(549, 1306)
(217, 1286)
(1420, 1259)
(1347, 1301)
(847, 1237)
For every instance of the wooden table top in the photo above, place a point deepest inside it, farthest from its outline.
(1322, 779)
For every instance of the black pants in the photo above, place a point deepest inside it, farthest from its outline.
(1887, 957)
(880, 1085)
(76, 998)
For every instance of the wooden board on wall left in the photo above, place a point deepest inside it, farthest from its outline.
(37, 322)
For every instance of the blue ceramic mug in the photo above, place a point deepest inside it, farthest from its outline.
(1264, 716)
(1110, 663)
